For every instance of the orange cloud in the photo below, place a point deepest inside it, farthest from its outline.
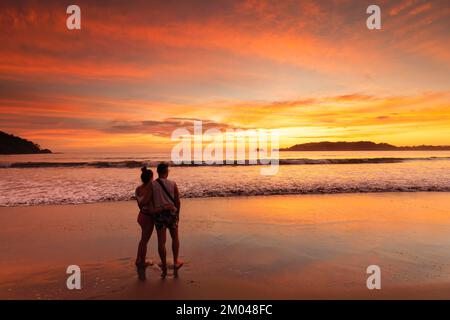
(310, 68)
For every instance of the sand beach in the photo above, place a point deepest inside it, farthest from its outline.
(268, 247)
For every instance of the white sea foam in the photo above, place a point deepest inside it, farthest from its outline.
(88, 184)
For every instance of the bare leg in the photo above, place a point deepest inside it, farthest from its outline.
(175, 250)
(162, 250)
(147, 226)
(175, 244)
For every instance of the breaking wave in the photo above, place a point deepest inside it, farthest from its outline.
(91, 181)
(226, 192)
(138, 164)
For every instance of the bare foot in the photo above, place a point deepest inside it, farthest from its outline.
(177, 266)
(163, 271)
(141, 273)
(147, 263)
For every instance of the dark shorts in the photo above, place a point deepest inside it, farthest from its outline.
(145, 220)
(166, 219)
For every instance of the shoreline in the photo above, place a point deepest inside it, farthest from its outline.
(235, 197)
(313, 246)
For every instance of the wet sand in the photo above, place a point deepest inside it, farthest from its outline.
(274, 247)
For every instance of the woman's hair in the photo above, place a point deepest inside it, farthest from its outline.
(146, 175)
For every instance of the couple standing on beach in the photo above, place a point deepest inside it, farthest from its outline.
(159, 206)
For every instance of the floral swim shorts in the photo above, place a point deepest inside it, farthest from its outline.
(166, 219)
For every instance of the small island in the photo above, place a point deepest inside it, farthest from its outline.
(11, 144)
(359, 146)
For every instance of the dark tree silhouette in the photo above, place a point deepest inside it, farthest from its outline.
(357, 146)
(11, 144)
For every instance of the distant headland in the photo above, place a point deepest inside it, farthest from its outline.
(10, 144)
(358, 146)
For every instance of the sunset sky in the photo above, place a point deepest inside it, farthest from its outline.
(137, 70)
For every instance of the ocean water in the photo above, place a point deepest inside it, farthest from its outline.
(75, 178)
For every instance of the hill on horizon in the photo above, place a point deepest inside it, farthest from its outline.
(357, 146)
(11, 144)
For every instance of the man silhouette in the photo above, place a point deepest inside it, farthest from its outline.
(165, 192)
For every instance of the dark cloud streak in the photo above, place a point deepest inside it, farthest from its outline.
(161, 128)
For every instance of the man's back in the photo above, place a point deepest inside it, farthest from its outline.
(159, 195)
